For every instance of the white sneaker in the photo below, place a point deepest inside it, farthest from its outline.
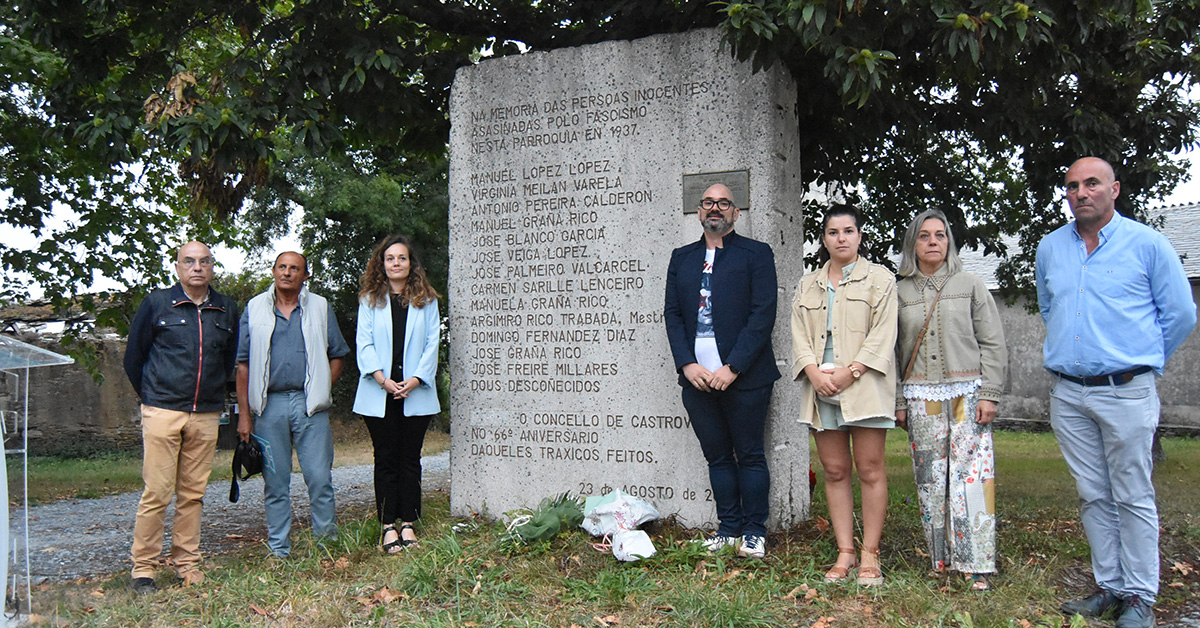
(716, 542)
(753, 546)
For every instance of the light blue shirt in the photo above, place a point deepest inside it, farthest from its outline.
(1127, 304)
(831, 294)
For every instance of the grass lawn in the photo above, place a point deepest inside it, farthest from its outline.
(473, 574)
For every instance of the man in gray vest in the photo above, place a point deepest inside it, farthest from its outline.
(289, 354)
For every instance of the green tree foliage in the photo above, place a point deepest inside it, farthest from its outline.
(976, 107)
(89, 210)
(39, 174)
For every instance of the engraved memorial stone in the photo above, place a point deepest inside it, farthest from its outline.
(569, 187)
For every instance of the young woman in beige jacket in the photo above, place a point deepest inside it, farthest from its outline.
(843, 353)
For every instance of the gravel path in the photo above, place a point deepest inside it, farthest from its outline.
(77, 538)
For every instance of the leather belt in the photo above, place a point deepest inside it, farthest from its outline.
(1115, 379)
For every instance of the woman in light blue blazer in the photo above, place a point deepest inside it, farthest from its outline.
(398, 334)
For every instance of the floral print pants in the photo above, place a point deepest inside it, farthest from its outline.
(953, 466)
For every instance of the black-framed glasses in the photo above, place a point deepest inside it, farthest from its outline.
(723, 204)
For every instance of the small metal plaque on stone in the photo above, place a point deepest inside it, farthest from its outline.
(738, 182)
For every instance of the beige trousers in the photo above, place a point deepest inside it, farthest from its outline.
(177, 458)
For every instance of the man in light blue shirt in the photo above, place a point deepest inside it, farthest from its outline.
(289, 354)
(1116, 304)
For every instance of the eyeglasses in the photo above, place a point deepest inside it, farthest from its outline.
(204, 262)
(723, 204)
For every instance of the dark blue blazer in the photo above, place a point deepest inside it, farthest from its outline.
(744, 295)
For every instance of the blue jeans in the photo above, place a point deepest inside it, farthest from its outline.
(1105, 433)
(730, 425)
(282, 423)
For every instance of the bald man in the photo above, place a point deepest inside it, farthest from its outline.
(719, 314)
(182, 345)
(1117, 304)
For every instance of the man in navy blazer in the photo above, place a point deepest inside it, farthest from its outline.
(720, 312)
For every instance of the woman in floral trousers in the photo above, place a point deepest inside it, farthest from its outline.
(950, 347)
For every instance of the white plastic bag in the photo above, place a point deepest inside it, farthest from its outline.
(631, 545)
(617, 515)
(607, 514)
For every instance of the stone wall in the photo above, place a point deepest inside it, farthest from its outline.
(1028, 393)
(69, 413)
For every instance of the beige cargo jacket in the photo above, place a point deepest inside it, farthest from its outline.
(965, 340)
(864, 329)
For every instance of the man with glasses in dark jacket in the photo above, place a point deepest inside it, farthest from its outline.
(181, 351)
(719, 312)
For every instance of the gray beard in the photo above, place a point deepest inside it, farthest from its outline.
(717, 228)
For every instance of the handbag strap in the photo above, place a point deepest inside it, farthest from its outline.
(921, 336)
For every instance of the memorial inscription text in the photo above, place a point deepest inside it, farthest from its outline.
(553, 301)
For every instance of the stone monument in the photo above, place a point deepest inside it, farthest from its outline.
(573, 175)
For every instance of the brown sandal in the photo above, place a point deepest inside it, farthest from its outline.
(839, 574)
(870, 576)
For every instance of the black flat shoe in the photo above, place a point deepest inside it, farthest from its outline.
(143, 586)
(1102, 603)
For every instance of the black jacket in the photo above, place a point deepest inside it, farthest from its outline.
(744, 297)
(180, 356)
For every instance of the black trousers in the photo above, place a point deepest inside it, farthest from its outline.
(397, 440)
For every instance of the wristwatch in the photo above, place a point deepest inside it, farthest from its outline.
(733, 369)
(855, 372)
